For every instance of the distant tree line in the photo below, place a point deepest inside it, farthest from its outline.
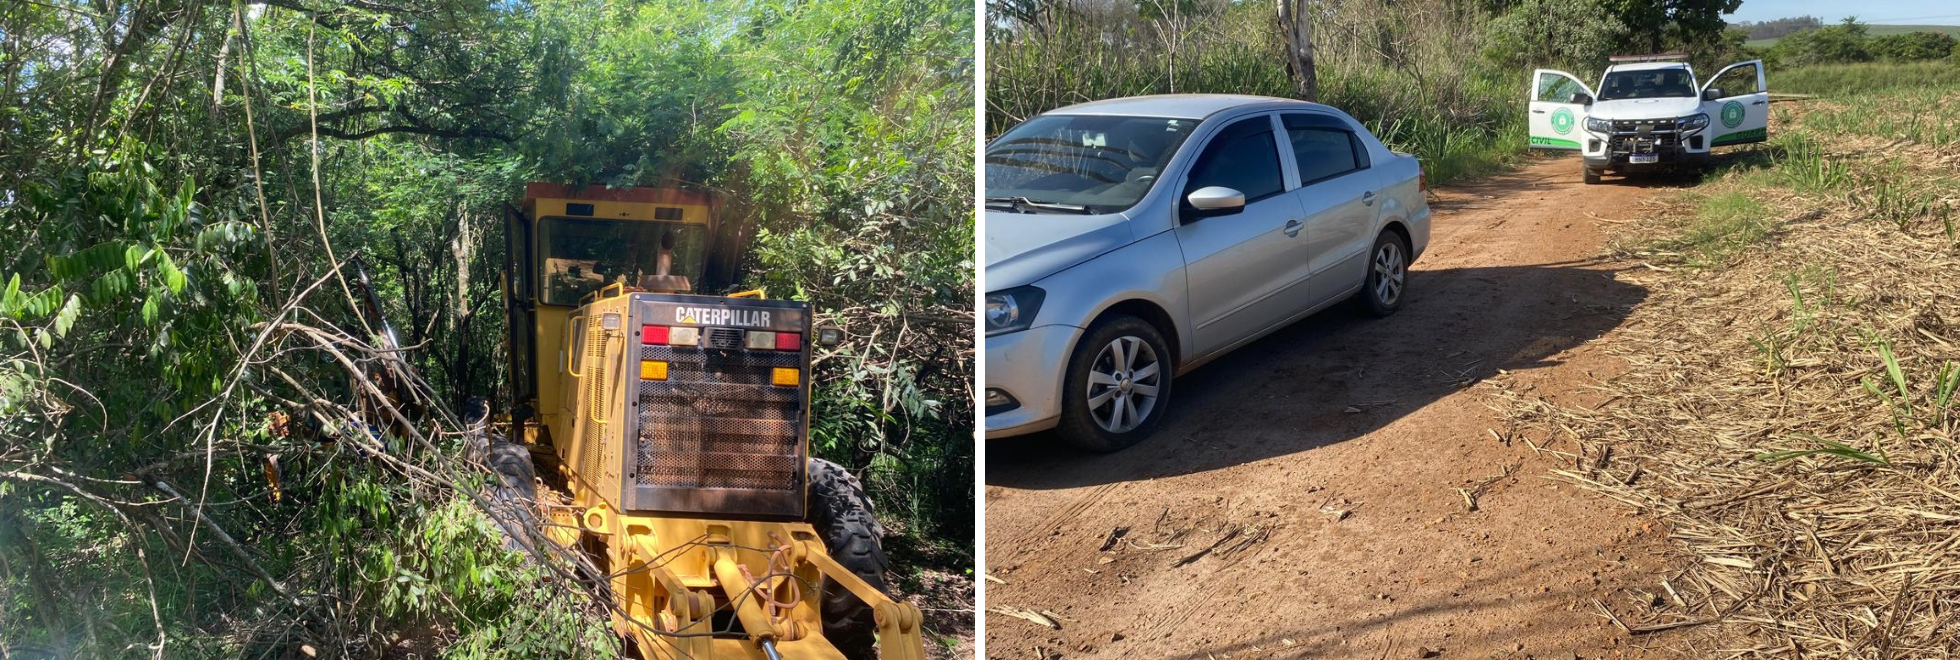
(1781, 27)
(1850, 41)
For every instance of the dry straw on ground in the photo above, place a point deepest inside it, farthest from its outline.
(1779, 347)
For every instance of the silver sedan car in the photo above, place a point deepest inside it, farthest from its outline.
(1132, 240)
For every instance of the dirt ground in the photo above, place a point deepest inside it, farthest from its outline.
(1308, 495)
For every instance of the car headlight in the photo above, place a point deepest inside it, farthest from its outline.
(1598, 125)
(1696, 122)
(1012, 310)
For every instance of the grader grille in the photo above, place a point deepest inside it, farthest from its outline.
(719, 434)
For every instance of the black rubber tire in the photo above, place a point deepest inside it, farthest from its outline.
(842, 515)
(1366, 298)
(1591, 176)
(514, 494)
(1077, 426)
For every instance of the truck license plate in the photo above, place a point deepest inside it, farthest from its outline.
(1643, 158)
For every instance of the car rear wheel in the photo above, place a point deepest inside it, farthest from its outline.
(1388, 275)
(1118, 382)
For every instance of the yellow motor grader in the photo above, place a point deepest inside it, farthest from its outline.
(671, 432)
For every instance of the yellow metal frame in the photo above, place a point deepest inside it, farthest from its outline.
(670, 575)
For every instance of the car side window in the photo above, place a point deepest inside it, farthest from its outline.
(1241, 157)
(1323, 147)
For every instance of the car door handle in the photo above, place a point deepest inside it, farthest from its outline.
(1759, 103)
(1368, 198)
(1538, 112)
(1292, 228)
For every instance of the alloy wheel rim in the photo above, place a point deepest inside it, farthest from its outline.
(1124, 381)
(1390, 269)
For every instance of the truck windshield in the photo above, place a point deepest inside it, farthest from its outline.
(1081, 163)
(1652, 83)
(583, 254)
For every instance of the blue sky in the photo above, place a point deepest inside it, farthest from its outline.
(1897, 12)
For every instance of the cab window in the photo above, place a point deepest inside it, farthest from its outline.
(1241, 157)
(581, 255)
(1737, 81)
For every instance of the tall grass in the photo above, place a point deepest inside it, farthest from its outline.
(1427, 95)
(1926, 115)
(1864, 78)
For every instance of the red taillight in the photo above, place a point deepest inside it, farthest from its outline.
(1422, 180)
(788, 341)
(653, 334)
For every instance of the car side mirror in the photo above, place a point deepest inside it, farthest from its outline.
(1216, 200)
(829, 336)
(1582, 98)
(1713, 93)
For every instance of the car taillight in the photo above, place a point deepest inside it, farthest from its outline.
(653, 334)
(788, 341)
(1422, 179)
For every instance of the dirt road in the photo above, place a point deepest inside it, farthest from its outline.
(1308, 496)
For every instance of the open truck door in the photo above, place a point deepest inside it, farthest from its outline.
(1737, 102)
(1558, 109)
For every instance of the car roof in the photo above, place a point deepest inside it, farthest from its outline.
(1647, 66)
(1180, 106)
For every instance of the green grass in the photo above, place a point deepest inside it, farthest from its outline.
(1724, 224)
(1873, 31)
(1925, 115)
(1845, 80)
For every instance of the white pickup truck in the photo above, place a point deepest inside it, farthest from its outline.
(1648, 114)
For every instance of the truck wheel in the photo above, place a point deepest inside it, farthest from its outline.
(1388, 275)
(842, 515)
(514, 494)
(1117, 385)
(1591, 176)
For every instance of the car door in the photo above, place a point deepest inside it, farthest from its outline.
(1245, 270)
(1337, 195)
(1738, 113)
(1558, 109)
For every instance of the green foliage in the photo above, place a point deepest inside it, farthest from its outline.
(1400, 70)
(1837, 44)
(1912, 46)
(1829, 448)
(1566, 34)
(1846, 80)
(161, 211)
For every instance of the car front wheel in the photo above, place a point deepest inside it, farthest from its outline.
(1118, 382)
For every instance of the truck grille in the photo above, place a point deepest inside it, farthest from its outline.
(1632, 126)
(716, 422)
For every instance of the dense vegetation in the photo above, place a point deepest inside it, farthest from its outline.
(182, 472)
(1851, 41)
(1437, 78)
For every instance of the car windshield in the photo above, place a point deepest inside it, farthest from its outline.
(584, 254)
(1080, 163)
(1652, 83)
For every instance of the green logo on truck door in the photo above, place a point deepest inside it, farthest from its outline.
(1562, 120)
(1732, 114)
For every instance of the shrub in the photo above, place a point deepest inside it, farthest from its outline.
(1912, 46)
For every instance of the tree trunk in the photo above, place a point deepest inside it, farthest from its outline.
(1296, 34)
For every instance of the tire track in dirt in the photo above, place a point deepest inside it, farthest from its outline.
(1308, 494)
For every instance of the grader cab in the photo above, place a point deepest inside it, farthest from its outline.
(671, 429)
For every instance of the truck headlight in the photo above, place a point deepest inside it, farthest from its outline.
(1598, 125)
(1013, 310)
(1694, 123)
